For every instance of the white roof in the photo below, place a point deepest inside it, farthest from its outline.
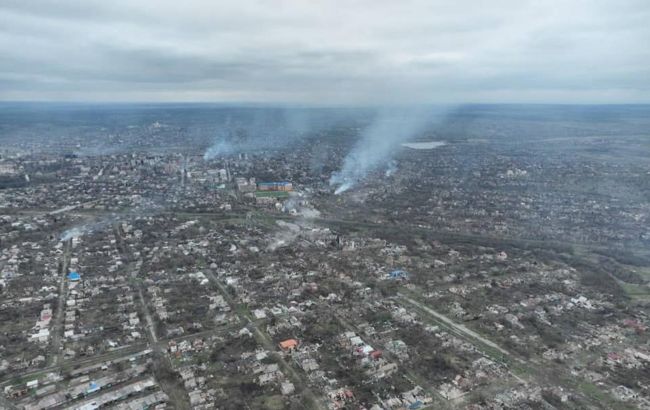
(356, 341)
(366, 349)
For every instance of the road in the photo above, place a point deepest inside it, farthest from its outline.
(178, 397)
(151, 326)
(265, 340)
(441, 234)
(56, 360)
(439, 401)
(121, 352)
(468, 333)
(56, 330)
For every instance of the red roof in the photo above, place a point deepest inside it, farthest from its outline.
(288, 344)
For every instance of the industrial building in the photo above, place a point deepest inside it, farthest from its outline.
(275, 186)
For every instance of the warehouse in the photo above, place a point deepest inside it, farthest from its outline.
(275, 186)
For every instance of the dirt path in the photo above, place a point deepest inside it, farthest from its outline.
(456, 326)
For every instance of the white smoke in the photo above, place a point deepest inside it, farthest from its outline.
(379, 142)
(299, 204)
(392, 169)
(221, 147)
(263, 129)
(84, 229)
(71, 233)
(101, 148)
(285, 236)
(344, 186)
(270, 129)
(143, 207)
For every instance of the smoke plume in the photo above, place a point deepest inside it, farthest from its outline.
(380, 140)
(266, 129)
(142, 207)
(89, 227)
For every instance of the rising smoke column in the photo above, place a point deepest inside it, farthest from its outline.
(88, 227)
(272, 129)
(260, 129)
(145, 207)
(380, 140)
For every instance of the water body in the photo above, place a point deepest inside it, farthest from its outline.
(424, 144)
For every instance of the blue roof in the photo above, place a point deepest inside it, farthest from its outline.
(415, 405)
(74, 276)
(398, 274)
(93, 387)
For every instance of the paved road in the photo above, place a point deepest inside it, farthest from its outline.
(151, 326)
(265, 340)
(439, 401)
(178, 397)
(56, 331)
(457, 326)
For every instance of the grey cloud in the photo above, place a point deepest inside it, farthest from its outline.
(361, 51)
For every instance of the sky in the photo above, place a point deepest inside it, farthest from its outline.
(326, 52)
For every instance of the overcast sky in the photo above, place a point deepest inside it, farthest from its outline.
(326, 52)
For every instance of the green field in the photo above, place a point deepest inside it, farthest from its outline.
(273, 194)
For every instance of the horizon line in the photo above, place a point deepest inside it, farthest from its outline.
(279, 104)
